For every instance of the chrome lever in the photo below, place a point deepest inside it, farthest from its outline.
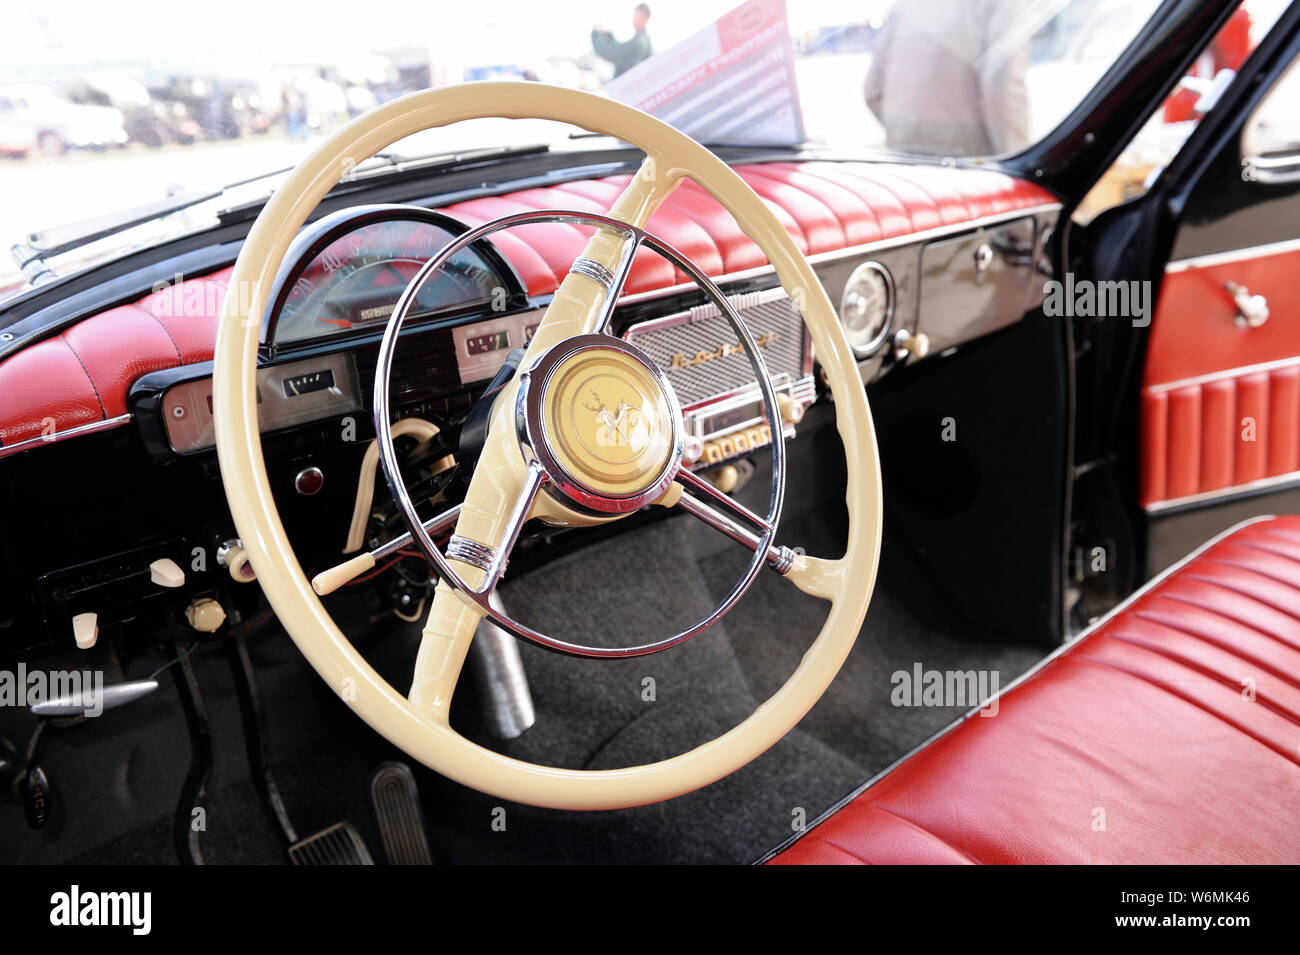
(93, 701)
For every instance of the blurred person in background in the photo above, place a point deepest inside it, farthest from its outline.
(294, 105)
(948, 79)
(627, 54)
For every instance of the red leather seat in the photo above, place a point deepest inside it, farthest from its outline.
(1169, 733)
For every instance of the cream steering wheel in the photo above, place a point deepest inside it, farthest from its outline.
(503, 490)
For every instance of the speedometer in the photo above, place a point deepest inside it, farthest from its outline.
(351, 268)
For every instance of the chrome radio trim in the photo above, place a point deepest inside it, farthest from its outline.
(696, 414)
(802, 390)
(739, 301)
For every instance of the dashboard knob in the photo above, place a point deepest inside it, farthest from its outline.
(205, 615)
(905, 343)
(724, 478)
(85, 630)
(791, 409)
(692, 449)
(165, 573)
(234, 558)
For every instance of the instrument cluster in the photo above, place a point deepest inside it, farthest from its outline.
(345, 272)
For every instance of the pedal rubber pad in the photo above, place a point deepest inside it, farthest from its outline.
(337, 845)
(401, 819)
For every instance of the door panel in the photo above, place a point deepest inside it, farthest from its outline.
(1221, 400)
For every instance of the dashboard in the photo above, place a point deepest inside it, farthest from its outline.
(145, 386)
(344, 273)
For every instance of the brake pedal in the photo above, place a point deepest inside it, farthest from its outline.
(337, 845)
(401, 822)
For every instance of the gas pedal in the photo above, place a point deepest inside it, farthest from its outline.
(401, 822)
(337, 845)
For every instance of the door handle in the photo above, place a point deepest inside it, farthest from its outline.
(1252, 310)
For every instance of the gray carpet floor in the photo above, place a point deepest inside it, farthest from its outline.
(592, 714)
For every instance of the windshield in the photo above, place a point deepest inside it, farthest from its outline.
(108, 107)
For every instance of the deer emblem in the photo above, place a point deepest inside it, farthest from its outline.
(615, 426)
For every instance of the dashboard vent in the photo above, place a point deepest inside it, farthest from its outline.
(699, 352)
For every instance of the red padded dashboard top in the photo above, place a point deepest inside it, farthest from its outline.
(82, 375)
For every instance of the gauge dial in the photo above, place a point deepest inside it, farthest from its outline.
(867, 307)
(358, 277)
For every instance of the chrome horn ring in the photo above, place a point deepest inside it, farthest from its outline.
(540, 478)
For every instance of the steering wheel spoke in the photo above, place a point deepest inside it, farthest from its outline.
(578, 308)
(611, 283)
(491, 560)
(453, 617)
(815, 576)
(725, 514)
(444, 642)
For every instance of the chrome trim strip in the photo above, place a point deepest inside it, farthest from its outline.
(1226, 373)
(1232, 255)
(81, 430)
(1027, 675)
(866, 248)
(592, 270)
(470, 552)
(1276, 482)
(740, 301)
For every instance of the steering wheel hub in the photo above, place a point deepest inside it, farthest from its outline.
(601, 419)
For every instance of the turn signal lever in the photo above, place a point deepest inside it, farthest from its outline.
(473, 432)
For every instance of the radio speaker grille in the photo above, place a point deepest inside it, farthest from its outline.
(699, 352)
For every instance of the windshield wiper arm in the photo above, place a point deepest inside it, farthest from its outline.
(46, 243)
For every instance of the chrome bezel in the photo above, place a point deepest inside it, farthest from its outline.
(535, 441)
(873, 345)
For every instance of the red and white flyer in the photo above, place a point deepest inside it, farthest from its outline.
(731, 82)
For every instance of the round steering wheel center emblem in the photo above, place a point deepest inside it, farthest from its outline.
(608, 421)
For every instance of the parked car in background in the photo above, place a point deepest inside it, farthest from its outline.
(37, 117)
(148, 121)
(220, 108)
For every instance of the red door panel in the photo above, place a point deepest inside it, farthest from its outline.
(1221, 403)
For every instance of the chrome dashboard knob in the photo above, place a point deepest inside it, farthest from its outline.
(906, 343)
